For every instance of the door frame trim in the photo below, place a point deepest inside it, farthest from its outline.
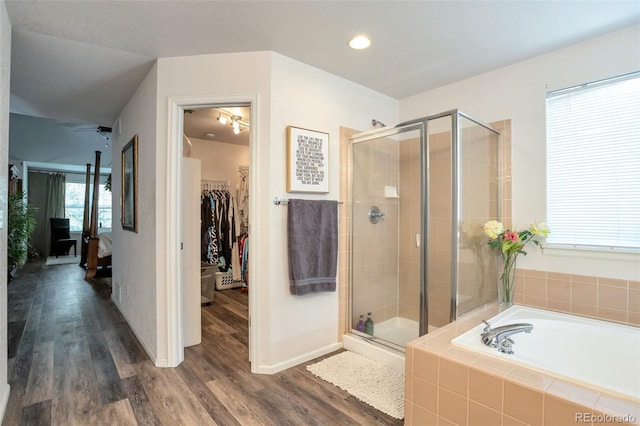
(173, 179)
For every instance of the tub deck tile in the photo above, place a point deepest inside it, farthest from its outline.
(563, 396)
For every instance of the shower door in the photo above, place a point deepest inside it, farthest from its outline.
(387, 187)
(420, 193)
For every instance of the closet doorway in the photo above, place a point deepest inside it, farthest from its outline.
(216, 153)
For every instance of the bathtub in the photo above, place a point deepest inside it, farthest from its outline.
(598, 354)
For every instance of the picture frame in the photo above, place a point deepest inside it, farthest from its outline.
(307, 160)
(129, 193)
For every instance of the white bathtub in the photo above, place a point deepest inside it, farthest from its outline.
(598, 354)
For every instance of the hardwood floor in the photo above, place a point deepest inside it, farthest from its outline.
(73, 360)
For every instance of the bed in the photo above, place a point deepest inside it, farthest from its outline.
(96, 249)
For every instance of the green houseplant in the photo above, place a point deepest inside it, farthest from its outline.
(21, 224)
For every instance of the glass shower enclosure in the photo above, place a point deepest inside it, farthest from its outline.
(420, 193)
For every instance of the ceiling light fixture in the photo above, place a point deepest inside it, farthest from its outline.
(359, 42)
(235, 121)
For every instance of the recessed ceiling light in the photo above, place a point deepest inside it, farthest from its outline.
(359, 42)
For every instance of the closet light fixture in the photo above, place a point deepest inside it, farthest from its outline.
(360, 42)
(235, 121)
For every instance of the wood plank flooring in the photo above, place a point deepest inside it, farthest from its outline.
(73, 360)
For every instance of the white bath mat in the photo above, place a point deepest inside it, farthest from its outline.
(375, 384)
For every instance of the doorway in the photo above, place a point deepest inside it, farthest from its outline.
(215, 225)
(176, 148)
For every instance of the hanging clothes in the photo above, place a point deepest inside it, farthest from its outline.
(234, 237)
(209, 245)
(242, 196)
(220, 231)
(244, 257)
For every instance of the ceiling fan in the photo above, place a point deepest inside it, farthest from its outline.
(87, 127)
(104, 131)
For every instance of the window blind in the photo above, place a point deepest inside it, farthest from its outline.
(593, 165)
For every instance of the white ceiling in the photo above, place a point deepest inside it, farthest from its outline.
(203, 123)
(79, 61)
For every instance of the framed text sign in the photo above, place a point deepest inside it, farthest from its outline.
(307, 160)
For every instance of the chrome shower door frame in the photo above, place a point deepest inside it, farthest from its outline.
(366, 137)
(422, 125)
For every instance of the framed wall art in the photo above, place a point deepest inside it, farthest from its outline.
(307, 160)
(129, 194)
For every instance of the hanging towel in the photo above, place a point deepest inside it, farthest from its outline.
(312, 228)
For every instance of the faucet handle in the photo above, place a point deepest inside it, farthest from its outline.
(506, 346)
(487, 327)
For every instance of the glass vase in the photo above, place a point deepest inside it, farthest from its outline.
(506, 283)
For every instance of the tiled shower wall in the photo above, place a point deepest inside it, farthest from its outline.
(407, 255)
(479, 185)
(374, 247)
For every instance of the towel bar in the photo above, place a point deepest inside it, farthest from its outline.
(278, 201)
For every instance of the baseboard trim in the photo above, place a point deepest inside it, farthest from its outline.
(292, 362)
(4, 399)
(157, 362)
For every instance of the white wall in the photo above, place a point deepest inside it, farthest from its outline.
(220, 160)
(206, 76)
(134, 256)
(518, 92)
(5, 68)
(306, 97)
(290, 329)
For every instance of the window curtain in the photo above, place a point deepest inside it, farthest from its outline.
(46, 192)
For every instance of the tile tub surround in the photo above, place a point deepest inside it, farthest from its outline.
(449, 385)
(587, 296)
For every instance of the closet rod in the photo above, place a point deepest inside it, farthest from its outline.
(279, 201)
(214, 184)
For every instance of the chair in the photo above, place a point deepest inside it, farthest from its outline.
(61, 241)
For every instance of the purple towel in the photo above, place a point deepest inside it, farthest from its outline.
(312, 228)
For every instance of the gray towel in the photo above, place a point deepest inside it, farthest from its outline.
(312, 228)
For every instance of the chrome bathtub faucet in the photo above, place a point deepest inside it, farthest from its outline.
(499, 336)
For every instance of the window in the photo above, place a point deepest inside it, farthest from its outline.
(593, 165)
(74, 206)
